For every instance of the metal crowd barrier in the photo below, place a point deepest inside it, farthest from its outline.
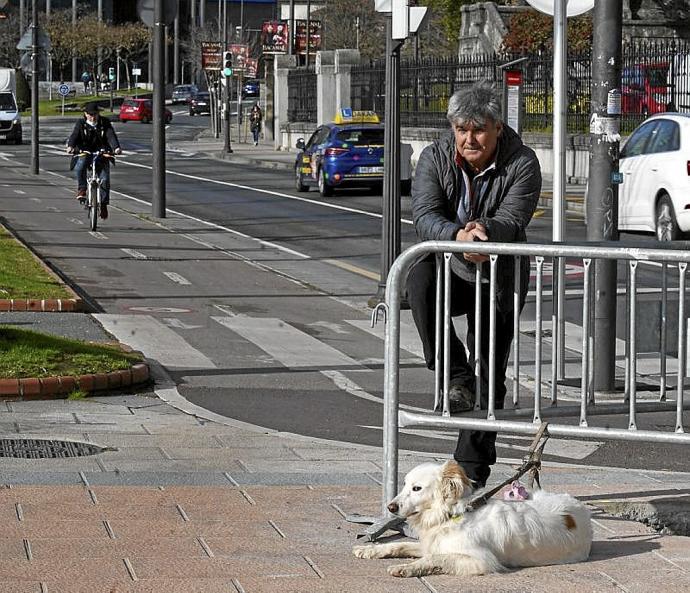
(527, 421)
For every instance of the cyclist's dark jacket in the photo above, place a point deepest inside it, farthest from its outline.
(91, 139)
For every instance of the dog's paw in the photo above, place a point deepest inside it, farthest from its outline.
(401, 570)
(366, 551)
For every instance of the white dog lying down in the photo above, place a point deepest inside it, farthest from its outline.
(545, 529)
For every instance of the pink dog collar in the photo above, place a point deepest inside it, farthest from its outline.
(516, 492)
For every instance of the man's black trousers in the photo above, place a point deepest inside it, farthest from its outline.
(475, 450)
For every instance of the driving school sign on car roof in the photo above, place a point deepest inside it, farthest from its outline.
(211, 55)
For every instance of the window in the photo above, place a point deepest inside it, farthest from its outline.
(636, 144)
(364, 137)
(314, 137)
(665, 138)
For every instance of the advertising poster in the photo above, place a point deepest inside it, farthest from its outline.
(274, 37)
(301, 37)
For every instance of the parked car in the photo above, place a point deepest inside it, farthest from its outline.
(200, 103)
(140, 110)
(644, 88)
(345, 153)
(655, 191)
(183, 93)
(250, 89)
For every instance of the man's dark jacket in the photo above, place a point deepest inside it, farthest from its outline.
(506, 197)
(91, 139)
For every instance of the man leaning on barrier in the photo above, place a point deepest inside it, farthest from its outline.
(477, 183)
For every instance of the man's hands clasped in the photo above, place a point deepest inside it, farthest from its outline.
(473, 231)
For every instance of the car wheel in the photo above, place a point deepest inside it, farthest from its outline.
(18, 140)
(299, 181)
(144, 120)
(191, 113)
(324, 189)
(665, 224)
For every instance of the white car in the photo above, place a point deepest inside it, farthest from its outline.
(655, 192)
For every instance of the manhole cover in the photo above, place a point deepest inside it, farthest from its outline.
(45, 448)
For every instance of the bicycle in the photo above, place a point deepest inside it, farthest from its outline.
(94, 185)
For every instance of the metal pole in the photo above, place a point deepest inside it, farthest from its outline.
(560, 43)
(176, 45)
(390, 234)
(307, 41)
(227, 143)
(291, 28)
(158, 203)
(602, 196)
(202, 13)
(22, 12)
(100, 50)
(192, 13)
(74, 57)
(34, 88)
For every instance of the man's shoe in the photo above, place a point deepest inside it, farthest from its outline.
(81, 194)
(104, 211)
(461, 398)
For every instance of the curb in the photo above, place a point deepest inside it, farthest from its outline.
(73, 305)
(243, 160)
(60, 387)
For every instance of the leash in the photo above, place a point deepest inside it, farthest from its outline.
(531, 464)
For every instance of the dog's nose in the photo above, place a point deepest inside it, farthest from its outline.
(393, 507)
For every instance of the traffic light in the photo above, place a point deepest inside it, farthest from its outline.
(111, 73)
(227, 63)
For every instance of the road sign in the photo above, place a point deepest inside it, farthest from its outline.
(26, 42)
(63, 90)
(145, 12)
(573, 7)
(136, 71)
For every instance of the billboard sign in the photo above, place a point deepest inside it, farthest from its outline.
(252, 68)
(274, 37)
(211, 55)
(301, 37)
(240, 55)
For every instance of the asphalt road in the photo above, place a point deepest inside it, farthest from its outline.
(269, 349)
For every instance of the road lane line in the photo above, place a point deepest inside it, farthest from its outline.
(155, 340)
(134, 253)
(286, 344)
(175, 277)
(268, 192)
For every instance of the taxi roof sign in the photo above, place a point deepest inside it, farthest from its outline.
(347, 116)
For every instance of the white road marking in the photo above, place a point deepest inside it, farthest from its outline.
(336, 328)
(178, 323)
(175, 277)
(76, 220)
(98, 235)
(134, 253)
(409, 338)
(285, 343)
(155, 340)
(160, 309)
(270, 192)
(19, 191)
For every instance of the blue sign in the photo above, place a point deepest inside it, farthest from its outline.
(63, 90)
(616, 177)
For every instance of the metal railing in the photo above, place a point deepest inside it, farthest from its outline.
(302, 95)
(655, 77)
(526, 421)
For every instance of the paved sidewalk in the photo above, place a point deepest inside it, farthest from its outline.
(182, 500)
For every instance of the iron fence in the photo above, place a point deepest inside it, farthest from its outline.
(655, 77)
(302, 95)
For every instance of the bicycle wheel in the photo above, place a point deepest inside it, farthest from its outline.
(93, 205)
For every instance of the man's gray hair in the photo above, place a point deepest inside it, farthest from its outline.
(475, 105)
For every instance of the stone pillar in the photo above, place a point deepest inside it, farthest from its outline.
(325, 87)
(344, 60)
(283, 64)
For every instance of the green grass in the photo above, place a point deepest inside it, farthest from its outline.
(31, 354)
(54, 107)
(22, 276)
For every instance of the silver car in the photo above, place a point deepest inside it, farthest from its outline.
(183, 93)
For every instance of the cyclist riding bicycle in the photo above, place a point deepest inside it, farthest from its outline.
(92, 133)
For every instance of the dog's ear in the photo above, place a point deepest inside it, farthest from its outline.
(454, 481)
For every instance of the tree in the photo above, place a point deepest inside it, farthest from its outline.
(9, 56)
(531, 31)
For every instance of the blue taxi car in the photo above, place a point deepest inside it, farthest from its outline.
(345, 153)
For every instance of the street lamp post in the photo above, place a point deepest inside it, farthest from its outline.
(34, 88)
